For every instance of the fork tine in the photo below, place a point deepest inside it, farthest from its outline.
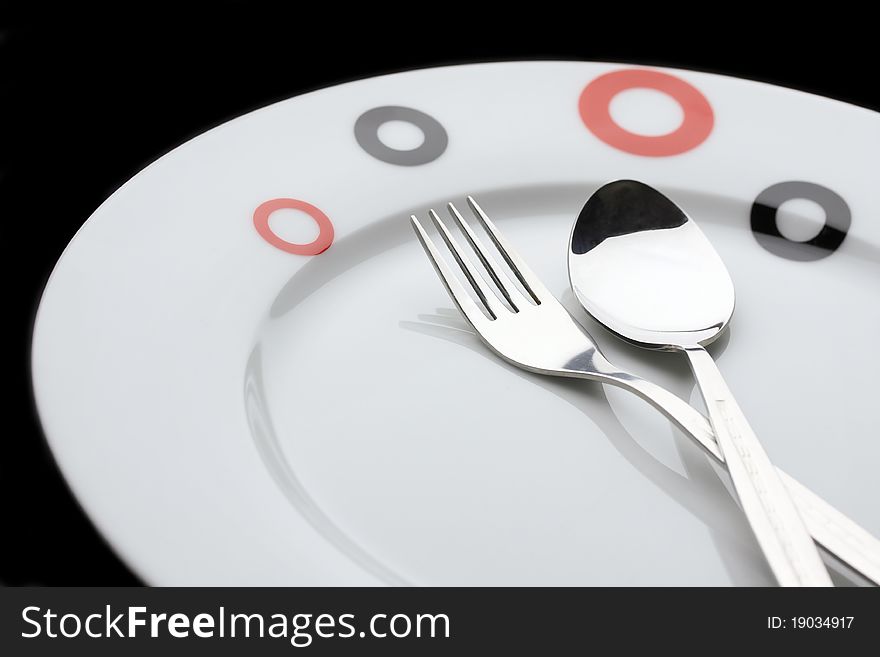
(505, 285)
(521, 270)
(462, 299)
(487, 296)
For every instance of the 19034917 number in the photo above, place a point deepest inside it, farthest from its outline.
(821, 622)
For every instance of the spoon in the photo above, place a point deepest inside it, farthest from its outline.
(642, 268)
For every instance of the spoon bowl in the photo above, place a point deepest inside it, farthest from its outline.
(645, 270)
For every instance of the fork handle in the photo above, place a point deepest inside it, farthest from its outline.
(835, 532)
(771, 513)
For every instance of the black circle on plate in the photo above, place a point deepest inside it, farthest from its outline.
(838, 219)
(366, 131)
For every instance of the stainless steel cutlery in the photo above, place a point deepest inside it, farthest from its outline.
(641, 267)
(521, 321)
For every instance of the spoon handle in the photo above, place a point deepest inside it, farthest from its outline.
(772, 514)
(841, 537)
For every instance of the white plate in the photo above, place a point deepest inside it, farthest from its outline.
(229, 412)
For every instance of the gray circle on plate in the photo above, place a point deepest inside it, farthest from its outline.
(366, 131)
(838, 219)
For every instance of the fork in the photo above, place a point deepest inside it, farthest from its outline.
(527, 326)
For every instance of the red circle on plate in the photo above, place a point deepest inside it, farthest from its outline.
(325, 226)
(595, 103)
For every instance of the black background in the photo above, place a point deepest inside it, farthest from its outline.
(89, 101)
